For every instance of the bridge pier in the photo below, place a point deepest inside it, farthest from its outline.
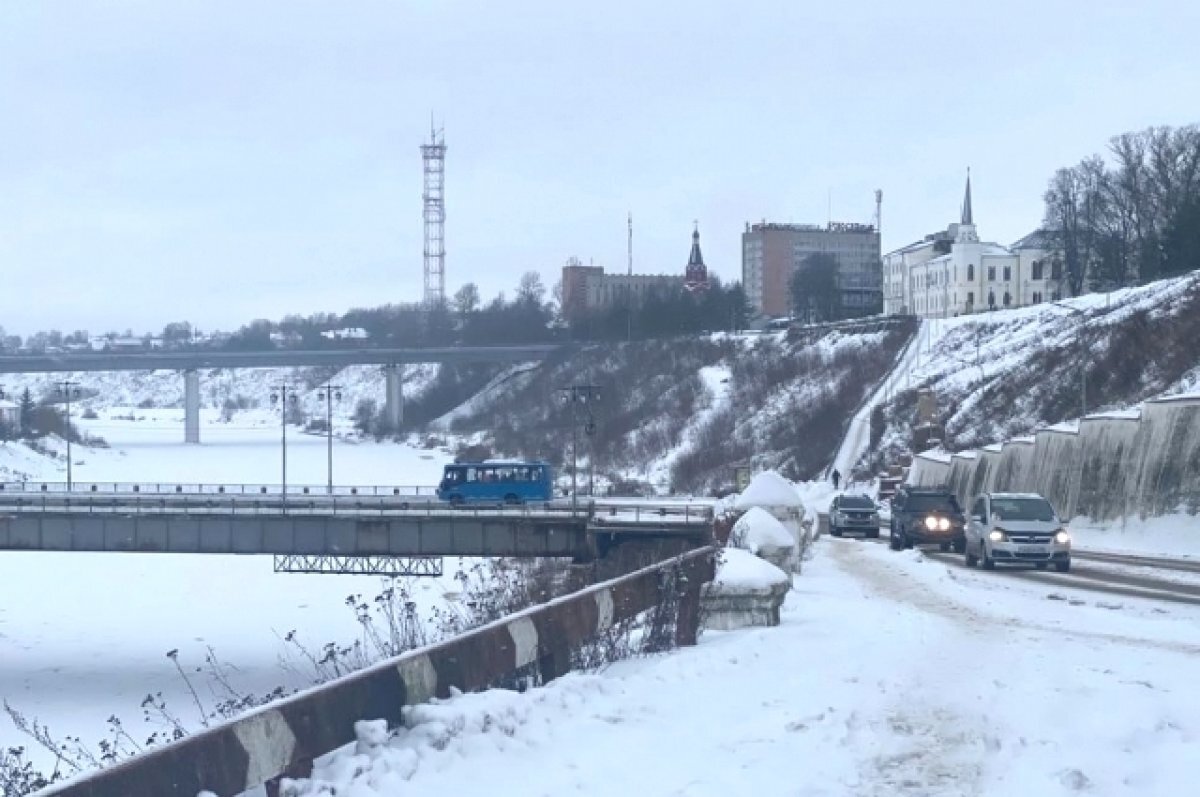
(191, 406)
(393, 408)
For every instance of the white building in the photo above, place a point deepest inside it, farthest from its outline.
(952, 272)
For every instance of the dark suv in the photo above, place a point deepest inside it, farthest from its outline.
(927, 516)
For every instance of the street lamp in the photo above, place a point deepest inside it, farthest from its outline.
(284, 396)
(328, 394)
(581, 396)
(68, 389)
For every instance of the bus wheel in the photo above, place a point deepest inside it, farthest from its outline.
(512, 500)
(456, 500)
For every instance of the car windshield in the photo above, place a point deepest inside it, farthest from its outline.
(1022, 509)
(932, 503)
(856, 502)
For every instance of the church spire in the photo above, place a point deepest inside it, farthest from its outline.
(967, 217)
(696, 275)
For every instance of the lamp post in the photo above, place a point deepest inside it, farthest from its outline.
(577, 396)
(328, 394)
(68, 389)
(284, 396)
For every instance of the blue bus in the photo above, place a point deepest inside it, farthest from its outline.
(496, 482)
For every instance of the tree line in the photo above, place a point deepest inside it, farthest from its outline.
(1131, 218)
(665, 312)
(33, 420)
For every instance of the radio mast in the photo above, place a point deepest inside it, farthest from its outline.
(433, 155)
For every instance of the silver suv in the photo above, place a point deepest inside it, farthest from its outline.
(1013, 528)
(853, 514)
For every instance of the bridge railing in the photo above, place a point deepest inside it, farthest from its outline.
(283, 738)
(598, 514)
(200, 488)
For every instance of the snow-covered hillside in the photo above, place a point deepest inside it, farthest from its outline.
(678, 414)
(1003, 374)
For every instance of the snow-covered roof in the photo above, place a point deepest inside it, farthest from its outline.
(936, 455)
(760, 531)
(744, 570)
(768, 489)
(5, 404)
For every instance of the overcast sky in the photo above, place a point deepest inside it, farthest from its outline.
(223, 161)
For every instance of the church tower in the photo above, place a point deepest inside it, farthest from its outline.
(696, 276)
(966, 227)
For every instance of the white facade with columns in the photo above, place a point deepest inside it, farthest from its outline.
(952, 272)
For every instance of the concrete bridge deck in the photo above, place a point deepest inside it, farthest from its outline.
(333, 525)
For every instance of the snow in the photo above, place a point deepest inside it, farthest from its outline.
(1169, 535)
(759, 530)
(84, 636)
(988, 688)
(858, 434)
(742, 570)
(768, 489)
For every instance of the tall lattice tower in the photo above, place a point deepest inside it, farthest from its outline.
(434, 156)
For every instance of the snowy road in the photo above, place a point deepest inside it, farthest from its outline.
(1155, 578)
(892, 674)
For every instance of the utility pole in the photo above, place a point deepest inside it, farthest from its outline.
(329, 393)
(68, 389)
(283, 395)
(577, 396)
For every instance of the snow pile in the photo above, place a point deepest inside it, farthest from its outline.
(440, 734)
(770, 490)
(760, 533)
(816, 495)
(742, 571)
(763, 535)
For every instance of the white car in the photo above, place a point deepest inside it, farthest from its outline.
(1016, 528)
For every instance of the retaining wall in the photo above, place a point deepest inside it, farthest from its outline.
(1109, 465)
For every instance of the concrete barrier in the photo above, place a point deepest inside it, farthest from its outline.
(282, 738)
(1108, 465)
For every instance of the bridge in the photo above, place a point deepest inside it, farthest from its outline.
(353, 530)
(190, 363)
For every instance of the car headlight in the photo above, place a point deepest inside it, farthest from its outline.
(1062, 537)
(931, 523)
(998, 535)
(944, 524)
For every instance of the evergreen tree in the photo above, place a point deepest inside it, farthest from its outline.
(26, 413)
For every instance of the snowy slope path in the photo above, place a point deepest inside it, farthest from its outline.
(858, 433)
(891, 674)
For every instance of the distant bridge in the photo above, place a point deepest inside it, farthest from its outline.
(375, 533)
(276, 358)
(192, 362)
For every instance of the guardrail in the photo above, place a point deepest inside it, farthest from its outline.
(282, 738)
